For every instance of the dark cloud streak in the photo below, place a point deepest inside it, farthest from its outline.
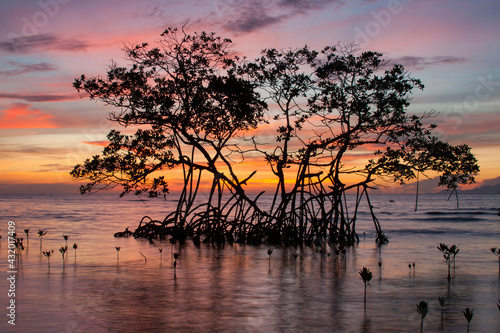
(419, 63)
(39, 97)
(42, 42)
(26, 68)
(240, 16)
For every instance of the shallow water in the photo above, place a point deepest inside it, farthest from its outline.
(239, 288)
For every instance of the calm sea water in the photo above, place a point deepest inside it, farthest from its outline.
(239, 288)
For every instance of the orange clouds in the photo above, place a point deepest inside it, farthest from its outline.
(96, 143)
(22, 116)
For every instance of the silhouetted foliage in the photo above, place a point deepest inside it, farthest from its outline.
(194, 100)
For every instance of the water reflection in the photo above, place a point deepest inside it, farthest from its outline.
(236, 289)
(243, 289)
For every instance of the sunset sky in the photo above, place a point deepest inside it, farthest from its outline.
(46, 128)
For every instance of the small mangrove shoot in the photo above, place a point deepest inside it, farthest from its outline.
(468, 314)
(48, 254)
(449, 254)
(66, 237)
(41, 233)
(117, 253)
(422, 309)
(366, 276)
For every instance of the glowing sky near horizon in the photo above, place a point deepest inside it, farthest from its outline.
(46, 128)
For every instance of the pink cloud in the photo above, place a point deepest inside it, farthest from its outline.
(23, 116)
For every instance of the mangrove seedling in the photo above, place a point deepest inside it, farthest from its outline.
(19, 247)
(75, 246)
(160, 249)
(269, 252)
(468, 314)
(449, 254)
(117, 253)
(48, 254)
(41, 233)
(366, 276)
(63, 251)
(27, 232)
(422, 311)
(66, 239)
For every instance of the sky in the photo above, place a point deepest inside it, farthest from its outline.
(46, 127)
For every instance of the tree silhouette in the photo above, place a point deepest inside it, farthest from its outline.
(195, 107)
(194, 103)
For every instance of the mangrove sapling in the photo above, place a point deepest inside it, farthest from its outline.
(41, 233)
(48, 254)
(117, 253)
(366, 276)
(160, 249)
(422, 311)
(75, 246)
(449, 254)
(468, 314)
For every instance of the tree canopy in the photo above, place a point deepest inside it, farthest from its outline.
(196, 103)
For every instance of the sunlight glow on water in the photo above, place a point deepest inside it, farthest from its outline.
(238, 288)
